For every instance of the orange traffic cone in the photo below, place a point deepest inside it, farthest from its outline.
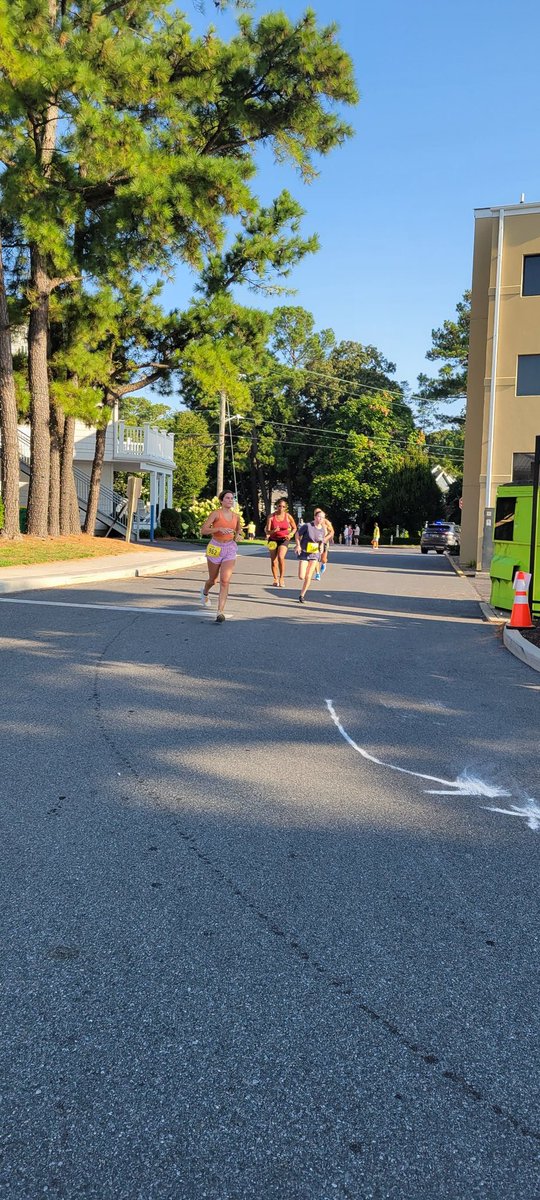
(521, 613)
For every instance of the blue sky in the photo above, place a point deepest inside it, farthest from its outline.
(448, 121)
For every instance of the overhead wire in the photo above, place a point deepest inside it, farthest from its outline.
(361, 388)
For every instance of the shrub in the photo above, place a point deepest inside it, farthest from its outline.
(194, 516)
(171, 522)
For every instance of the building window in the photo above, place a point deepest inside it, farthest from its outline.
(528, 375)
(504, 519)
(531, 275)
(522, 468)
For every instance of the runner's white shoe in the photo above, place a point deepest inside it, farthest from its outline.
(205, 598)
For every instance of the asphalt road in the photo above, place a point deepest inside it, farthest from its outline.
(240, 959)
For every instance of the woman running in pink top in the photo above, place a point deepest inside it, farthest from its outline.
(225, 529)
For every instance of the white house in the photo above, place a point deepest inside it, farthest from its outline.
(140, 448)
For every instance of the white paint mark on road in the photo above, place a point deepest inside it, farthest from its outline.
(530, 811)
(129, 608)
(465, 785)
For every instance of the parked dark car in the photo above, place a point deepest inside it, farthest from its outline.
(441, 536)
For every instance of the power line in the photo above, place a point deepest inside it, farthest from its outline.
(361, 388)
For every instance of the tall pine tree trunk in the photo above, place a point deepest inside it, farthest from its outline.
(69, 504)
(57, 423)
(95, 482)
(40, 449)
(8, 421)
(38, 332)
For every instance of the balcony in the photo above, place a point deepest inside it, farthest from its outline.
(128, 447)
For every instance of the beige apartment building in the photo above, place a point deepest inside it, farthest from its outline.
(503, 395)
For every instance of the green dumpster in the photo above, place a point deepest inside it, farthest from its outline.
(512, 543)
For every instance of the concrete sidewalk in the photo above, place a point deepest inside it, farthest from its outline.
(519, 646)
(173, 557)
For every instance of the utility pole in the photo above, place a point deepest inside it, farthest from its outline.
(221, 440)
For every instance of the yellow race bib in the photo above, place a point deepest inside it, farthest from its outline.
(312, 548)
(213, 551)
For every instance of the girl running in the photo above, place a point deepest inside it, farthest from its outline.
(309, 541)
(225, 529)
(329, 537)
(280, 527)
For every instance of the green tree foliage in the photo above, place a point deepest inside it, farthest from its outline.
(449, 345)
(328, 420)
(193, 454)
(129, 144)
(411, 496)
(139, 410)
(445, 437)
(451, 500)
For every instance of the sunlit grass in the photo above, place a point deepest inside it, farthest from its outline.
(29, 550)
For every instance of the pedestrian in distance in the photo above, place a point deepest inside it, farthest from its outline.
(251, 530)
(376, 536)
(329, 532)
(225, 529)
(280, 528)
(309, 540)
(356, 534)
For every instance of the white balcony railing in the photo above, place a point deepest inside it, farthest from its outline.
(143, 441)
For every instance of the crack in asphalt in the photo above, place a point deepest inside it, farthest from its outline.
(341, 984)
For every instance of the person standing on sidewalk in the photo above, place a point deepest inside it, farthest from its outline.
(309, 539)
(225, 529)
(280, 528)
(376, 536)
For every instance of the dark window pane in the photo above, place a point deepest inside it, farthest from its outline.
(522, 468)
(504, 519)
(528, 375)
(531, 275)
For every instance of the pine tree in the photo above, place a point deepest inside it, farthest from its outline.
(127, 144)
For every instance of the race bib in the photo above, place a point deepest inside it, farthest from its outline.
(312, 548)
(272, 545)
(213, 551)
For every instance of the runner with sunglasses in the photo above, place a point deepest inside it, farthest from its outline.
(280, 528)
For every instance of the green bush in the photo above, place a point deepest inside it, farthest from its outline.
(171, 522)
(22, 519)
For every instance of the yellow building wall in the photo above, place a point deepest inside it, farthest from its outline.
(517, 418)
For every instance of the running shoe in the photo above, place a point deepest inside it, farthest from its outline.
(302, 599)
(220, 617)
(205, 598)
(323, 568)
(317, 575)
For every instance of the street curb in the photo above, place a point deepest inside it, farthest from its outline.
(490, 614)
(34, 583)
(192, 560)
(521, 648)
(453, 564)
